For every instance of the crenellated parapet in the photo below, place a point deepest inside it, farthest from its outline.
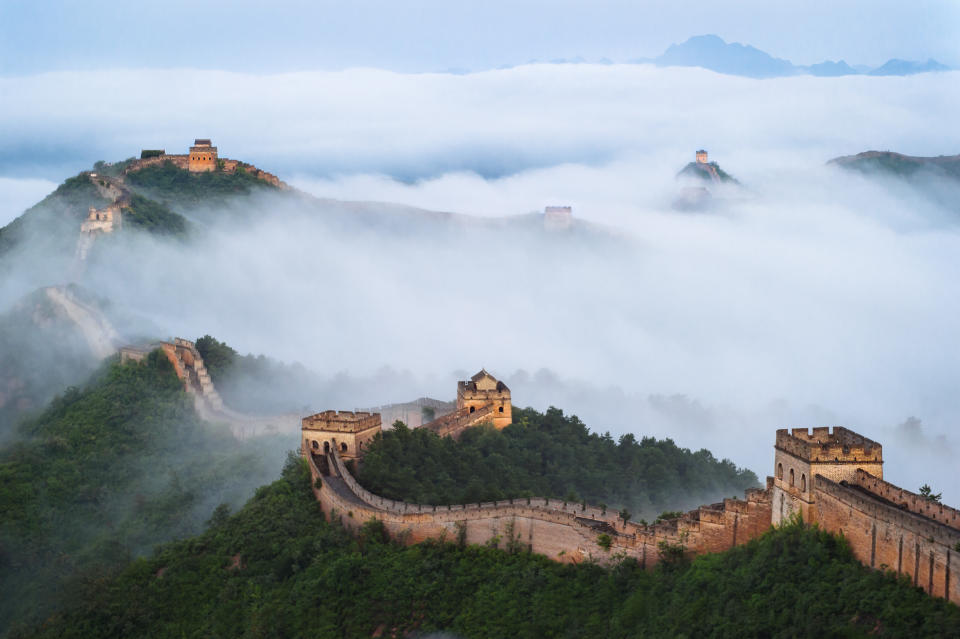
(824, 444)
(203, 157)
(564, 531)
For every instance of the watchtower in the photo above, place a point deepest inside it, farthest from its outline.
(347, 432)
(557, 218)
(801, 455)
(701, 157)
(203, 156)
(484, 389)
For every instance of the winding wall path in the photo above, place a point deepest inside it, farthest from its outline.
(562, 531)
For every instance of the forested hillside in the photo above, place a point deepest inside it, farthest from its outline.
(104, 474)
(279, 569)
(548, 455)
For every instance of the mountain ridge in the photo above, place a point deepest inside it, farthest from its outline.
(711, 52)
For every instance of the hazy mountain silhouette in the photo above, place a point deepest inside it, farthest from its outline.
(732, 58)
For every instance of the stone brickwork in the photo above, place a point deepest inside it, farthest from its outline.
(886, 534)
(567, 532)
(452, 424)
(800, 454)
(190, 369)
(888, 528)
(203, 158)
(482, 390)
(347, 432)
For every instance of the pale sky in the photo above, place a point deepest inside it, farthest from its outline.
(434, 35)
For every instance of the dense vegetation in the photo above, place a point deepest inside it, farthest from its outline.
(256, 384)
(57, 214)
(181, 188)
(278, 569)
(552, 455)
(154, 217)
(41, 353)
(696, 170)
(106, 473)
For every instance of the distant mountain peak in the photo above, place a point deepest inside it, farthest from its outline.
(710, 51)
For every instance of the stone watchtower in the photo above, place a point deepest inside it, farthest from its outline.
(557, 218)
(346, 432)
(203, 156)
(701, 157)
(483, 389)
(800, 456)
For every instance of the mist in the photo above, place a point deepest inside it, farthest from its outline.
(808, 297)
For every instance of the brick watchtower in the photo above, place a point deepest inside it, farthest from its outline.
(350, 433)
(701, 157)
(484, 389)
(800, 456)
(203, 156)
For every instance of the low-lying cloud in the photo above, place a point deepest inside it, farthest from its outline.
(810, 296)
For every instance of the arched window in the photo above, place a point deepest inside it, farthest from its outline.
(473, 408)
(803, 482)
(326, 447)
(343, 446)
(791, 477)
(316, 446)
(779, 471)
(501, 409)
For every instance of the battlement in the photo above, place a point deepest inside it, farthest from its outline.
(484, 389)
(824, 445)
(203, 156)
(343, 421)
(906, 500)
(105, 219)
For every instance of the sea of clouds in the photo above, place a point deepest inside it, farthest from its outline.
(810, 297)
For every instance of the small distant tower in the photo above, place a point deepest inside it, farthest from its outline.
(556, 218)
(484, 389)
(203, 156)
(701, 157)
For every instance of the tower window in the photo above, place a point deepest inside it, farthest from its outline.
(501, 409)
(779, 471)
(791, 477)
(803, 482)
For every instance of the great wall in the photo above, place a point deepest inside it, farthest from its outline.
(832, 478)
(202, 158)
(829, 477)
(190, 368)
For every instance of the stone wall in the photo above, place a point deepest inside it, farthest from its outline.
(562, 531)
(452, 424)
(223, 164)
(887, 536)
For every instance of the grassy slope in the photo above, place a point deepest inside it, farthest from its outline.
(548, 454)
(106, 473)
(57, 215)
(278, 569)
(182, 189)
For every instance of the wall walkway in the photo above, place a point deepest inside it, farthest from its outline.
(567, 532)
